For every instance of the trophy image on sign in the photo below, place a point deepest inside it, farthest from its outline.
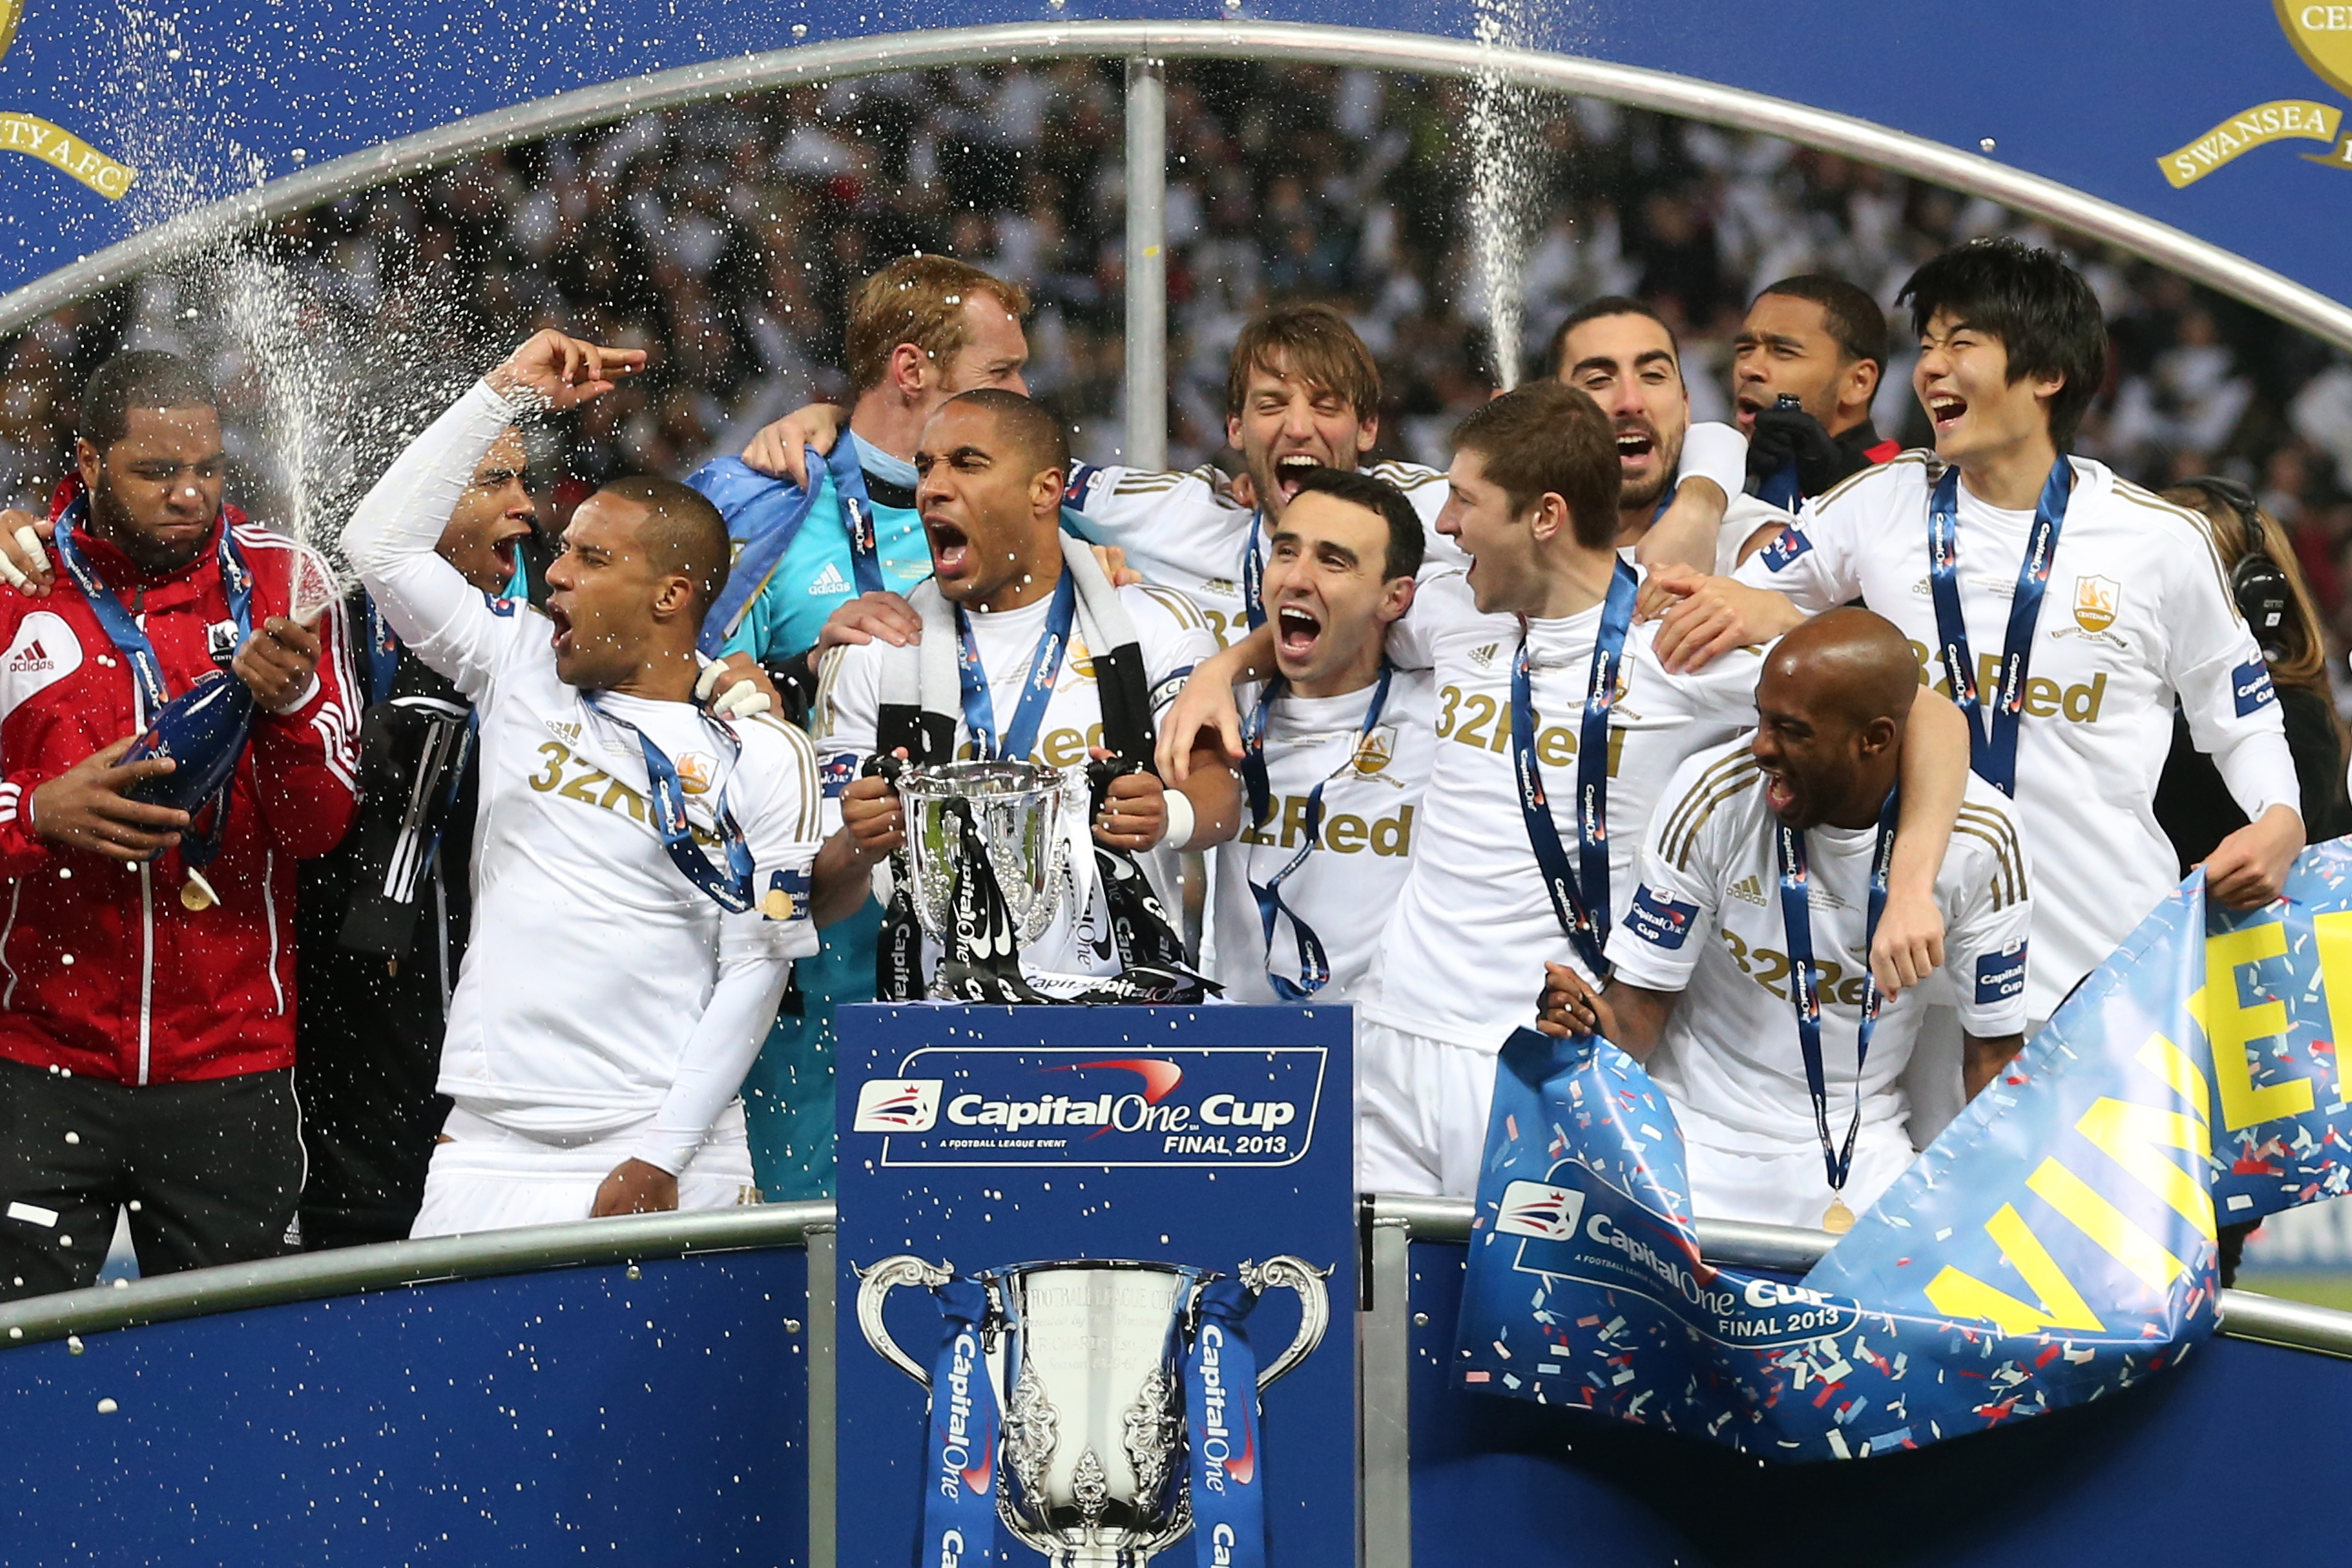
(987, 858)
(1113, 1380)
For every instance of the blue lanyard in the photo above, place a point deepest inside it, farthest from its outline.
(1784, 489)
(122, 628)
(1992, 755)
(1797, 921)
(383, 653)
(1314, 966)
(1254, 574)
(856, 513)
(1044, 669)
(1579, 899)
(730, 892)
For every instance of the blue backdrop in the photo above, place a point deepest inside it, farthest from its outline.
(204, 98)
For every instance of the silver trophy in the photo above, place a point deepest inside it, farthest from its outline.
(1017, 811)
(1087, 1360)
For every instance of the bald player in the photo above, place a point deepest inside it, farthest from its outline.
(643, 865)
(1766, 852)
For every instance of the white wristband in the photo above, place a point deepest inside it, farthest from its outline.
(1718, 452)
(1181, 820)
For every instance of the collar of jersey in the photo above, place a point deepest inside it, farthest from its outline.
(880, 465)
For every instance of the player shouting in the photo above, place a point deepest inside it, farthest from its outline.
(643, 868)
(1556, 730)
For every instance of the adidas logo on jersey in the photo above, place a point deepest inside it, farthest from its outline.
(564, 729)
(829, 581)
(1750, 888)
(1484, 657)
(31, 659)
(1222, 587)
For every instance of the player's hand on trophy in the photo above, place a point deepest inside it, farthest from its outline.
(737, 687)
(87, 807)
(871, 815)
(278, 663)
(23, 553)
(1909, 945)
(554, 373)
(777, 449)
(878, 616)
(1714, 615)
(2247, 870)
(1572, 1008)
(636, 1187)
(1135, 809)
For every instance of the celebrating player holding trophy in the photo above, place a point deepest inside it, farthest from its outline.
(643, 868)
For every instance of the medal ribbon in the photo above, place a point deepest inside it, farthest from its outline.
(960, 1493)
(1253, 573)
(1992, 755)
(1797, 921)
(730, 890)
(1037, 693)
(122, 628)
(1221, 1418)
(1579, 898)
(1315, 968)
(857, 514)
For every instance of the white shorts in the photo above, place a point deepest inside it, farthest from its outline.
(1791, 1188)
(1420, 1112)
(488, 1177)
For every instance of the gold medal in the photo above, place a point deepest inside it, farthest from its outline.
(196, 895)
(1839, 1219)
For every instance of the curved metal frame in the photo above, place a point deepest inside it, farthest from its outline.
(1238, 39)
(315, 1276)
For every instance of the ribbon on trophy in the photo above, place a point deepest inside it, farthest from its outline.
(960, 1501)
(1151, 964)
(1221, 1418)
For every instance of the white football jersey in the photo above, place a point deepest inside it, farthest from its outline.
(2137, 614)
(1706, 921)
(1372, 799)
(1462, 959)
(1170, 634)
(1187, 531)
(568, 872)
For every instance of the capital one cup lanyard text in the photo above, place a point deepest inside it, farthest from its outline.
(1315, 966)
(1804, 995)
(1037, 693)
(1579, 897)
(123, 630)
(730, 890)
(1993, 752)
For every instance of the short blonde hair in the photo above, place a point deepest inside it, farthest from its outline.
(917, 300)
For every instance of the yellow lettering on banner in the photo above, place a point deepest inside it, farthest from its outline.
(2132, 1134)
(2056, 1305)
(2242, 133)
(2231, 1027)
(2182, 1076)
(2115, 1232)
(36, 138)
(2333, 934)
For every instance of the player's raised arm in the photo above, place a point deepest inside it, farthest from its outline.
(392, 536)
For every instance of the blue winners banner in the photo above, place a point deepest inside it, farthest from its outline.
(2056, 1242)
(1101, 1266)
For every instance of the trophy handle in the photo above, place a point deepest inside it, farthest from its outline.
(1293, 1273)
(877, 1281)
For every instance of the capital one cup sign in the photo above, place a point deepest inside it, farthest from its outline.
(1100, 1263)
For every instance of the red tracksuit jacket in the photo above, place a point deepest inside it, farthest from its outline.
(102, 972)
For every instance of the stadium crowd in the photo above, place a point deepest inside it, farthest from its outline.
(681, 283)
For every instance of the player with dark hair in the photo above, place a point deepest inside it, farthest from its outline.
(646, 868)
(147, 1031)
(2064, 607)
(1823, 341)
(1336, 750)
